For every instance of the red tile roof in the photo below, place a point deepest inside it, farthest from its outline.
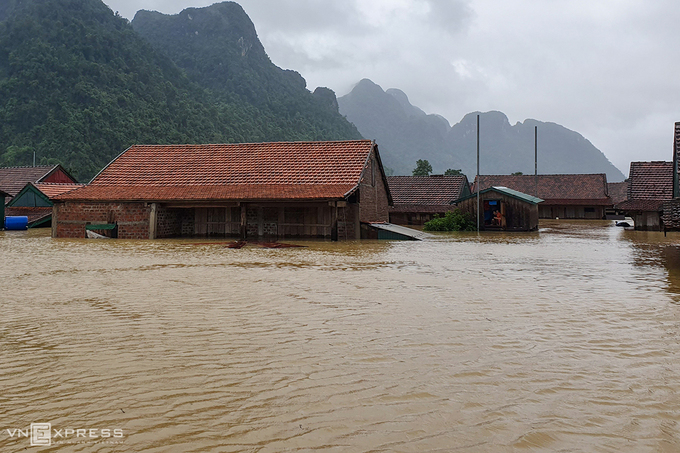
(426, 190)
(13, 179)
(618, 191)
(590, 189)
(248, 171)
(52, 189)
(651, 183)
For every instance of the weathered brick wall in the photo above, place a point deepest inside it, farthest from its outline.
(132, 218)
(373, 194)
(188, 220)
(169, 222)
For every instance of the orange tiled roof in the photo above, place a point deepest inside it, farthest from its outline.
(555, 189)
(426, 190)
(52, 189)
(247, 171)
(651, 181)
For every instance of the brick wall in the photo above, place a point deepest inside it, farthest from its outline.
(169, 222)
(132, 218)
(373, 194)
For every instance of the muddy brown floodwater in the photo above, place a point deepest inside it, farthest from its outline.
(562, 340)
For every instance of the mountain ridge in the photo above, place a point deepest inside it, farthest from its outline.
(504, 148)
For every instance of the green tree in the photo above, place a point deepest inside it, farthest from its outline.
(423, 168)
(517, 173)
(452, 172)
(455, 220)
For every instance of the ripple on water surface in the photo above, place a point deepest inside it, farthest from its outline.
(561, 340)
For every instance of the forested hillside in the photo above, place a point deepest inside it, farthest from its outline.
(78, 86)
(219, 49)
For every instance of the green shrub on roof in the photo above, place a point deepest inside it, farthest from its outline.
(455, 220)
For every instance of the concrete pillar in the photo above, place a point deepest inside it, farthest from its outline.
(153, 221)
(244, 222)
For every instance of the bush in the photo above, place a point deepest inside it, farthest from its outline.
(453, 221)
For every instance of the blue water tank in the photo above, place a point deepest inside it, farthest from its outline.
(19, 222)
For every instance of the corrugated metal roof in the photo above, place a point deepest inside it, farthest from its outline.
(509, 192)
(408, 233)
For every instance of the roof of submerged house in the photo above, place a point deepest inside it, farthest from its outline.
(426, 193)
(650, 184)
(618, 191)
(246, 171)
(13, 179)
(53, 189)
(555, 189)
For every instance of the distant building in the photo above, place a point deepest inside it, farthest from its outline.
(419, 198)
(618, 191)
(671, 208)
(274, 190)
(35, 205)
(650, 185)
(580, 196)
(35, 202)
(502, 208)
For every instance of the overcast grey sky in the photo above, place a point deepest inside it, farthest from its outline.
(607, 69)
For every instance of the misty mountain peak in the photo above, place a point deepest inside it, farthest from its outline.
(405, 134)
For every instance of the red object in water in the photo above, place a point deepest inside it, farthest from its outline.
(278, 245)
(236, 245)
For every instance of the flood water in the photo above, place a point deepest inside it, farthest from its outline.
(563, 340)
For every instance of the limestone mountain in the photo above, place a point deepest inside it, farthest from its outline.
(405, 134)
(78, 85)
(218, 48)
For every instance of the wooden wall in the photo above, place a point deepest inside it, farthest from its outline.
(519, 215)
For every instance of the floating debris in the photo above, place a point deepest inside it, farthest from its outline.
(278, 245)
(236, 245)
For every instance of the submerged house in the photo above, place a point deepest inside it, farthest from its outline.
(417, 199)
(35, 202)
(650, 185)
(502, 208)
(14, 179)
(578, 196)
(276, 190)
(671, 208)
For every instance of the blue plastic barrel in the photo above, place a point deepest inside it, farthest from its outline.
(19, 222)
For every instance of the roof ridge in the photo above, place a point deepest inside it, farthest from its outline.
(250, 143)
(30, 166)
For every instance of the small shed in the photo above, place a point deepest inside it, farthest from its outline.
(503, 209)
(576, 196)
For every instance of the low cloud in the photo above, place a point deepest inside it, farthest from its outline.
(605, 69)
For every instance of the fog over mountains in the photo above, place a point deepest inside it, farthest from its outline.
(405, 134)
